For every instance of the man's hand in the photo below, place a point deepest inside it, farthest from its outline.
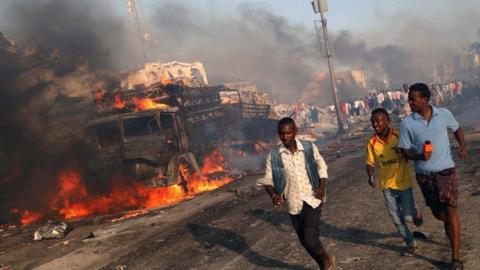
(277, 200)
(427, 156)
(371, 182)
(319, 193)
(463, 152)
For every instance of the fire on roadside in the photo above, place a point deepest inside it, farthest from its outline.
(72, 199)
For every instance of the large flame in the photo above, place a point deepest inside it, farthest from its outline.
(214, 163)
(147, 104)
(73, 201)
(107, 102)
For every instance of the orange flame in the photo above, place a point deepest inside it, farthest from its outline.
(165, 80)
(135, 104)
(27, 216)
(73, 201)
(119, 103)
(214, 163)
(147, 104)
(115, 100)
(30, 217)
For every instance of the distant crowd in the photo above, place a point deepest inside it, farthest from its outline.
(305, 115)
(393, 101)
(396, 100)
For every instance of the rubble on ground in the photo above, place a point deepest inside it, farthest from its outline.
(52, 230)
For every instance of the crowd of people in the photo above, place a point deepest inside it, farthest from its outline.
(396, 100)
(303, 114)
(296, 172)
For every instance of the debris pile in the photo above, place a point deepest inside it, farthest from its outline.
(52, 230)
(188, 74)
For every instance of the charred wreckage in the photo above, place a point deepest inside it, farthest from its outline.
(160, 133)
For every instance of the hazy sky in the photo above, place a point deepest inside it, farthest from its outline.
(360, 17)
(342, 14)
(269, 42)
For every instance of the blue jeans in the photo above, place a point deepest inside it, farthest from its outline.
(401, 207)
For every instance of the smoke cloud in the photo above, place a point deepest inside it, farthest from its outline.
(251, 44)
(82, 28)
(46, 88)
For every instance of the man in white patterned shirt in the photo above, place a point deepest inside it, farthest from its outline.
(297, 173)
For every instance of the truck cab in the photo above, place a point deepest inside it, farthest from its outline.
(149, 145)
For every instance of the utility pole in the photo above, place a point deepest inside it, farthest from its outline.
(320, 6)
(133, 10)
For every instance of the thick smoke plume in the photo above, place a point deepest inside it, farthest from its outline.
(46, 101)
(249, 43)
(81, 28)
(66, 46)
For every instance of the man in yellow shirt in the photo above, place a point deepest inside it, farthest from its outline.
(395, 177)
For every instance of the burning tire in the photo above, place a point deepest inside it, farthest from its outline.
(185, 172)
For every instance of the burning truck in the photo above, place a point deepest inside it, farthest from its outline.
(159, 134)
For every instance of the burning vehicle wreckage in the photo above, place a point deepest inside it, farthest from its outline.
(164, 137)
(160, 134)
(159, 140)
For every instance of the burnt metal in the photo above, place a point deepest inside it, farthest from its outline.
(150, 144)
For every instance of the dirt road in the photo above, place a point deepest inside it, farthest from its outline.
(236, 227)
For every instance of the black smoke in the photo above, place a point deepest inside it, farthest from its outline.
(82, 28)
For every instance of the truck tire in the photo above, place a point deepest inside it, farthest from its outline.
(185, 174)
(178, 162)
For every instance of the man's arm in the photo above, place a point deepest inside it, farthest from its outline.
(320, 191)
(322, 173)
(277, 199)
(270, 190)
(453, 125)
(267, 182)
(460, 137)
(405, 143)
(411, 155)
(370, 160)
(371, 173)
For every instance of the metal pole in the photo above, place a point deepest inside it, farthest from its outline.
(332, 75)
(139, 30)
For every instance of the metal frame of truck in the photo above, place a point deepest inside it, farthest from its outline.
(169, 137)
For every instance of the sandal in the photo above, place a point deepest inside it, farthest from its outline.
(333, 265)
(408, 251)
(456, 265)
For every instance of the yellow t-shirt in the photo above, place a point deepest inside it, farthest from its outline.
(394, 171)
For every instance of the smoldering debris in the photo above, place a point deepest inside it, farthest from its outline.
(46, 101)
(52, 230)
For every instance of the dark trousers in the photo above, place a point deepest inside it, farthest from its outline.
(307, 226)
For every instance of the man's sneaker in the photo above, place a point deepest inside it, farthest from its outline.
(418, 219)
(408, 251)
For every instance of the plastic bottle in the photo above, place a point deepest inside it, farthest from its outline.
(428, 147)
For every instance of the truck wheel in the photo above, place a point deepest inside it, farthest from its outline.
(185, 173)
